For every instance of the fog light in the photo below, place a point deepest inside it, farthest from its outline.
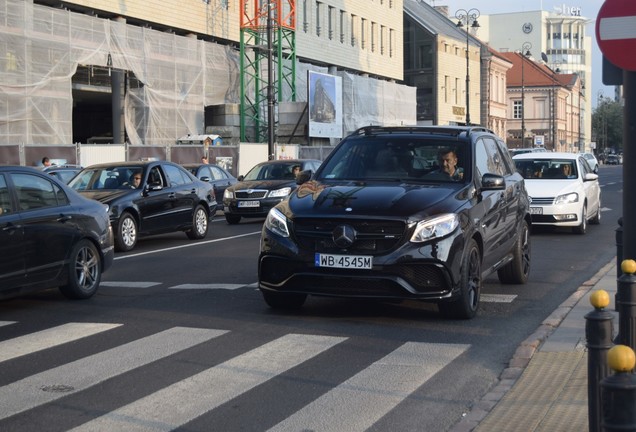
(565, 217)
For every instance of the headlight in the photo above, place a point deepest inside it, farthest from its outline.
(228, 194)
(280, 192)
(436, 227)
(567, 198)
(276, 222)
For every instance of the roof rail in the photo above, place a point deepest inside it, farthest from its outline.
(454, 131)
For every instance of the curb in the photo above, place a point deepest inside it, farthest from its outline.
(524, 353)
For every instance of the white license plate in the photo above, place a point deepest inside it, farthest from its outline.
(249, 203)
(536, 210)
(344, 261)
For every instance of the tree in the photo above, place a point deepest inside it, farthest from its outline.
(607, 126)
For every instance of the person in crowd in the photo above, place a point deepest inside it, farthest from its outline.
(46, 162)
(204, 159)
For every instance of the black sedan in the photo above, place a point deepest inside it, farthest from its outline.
(218, 177)
(264, 186)
(50, 236)
(148, 198)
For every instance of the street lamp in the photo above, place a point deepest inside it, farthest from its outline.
(467, 18)
(525, 51)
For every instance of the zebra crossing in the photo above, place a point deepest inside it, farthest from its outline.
(353, 405)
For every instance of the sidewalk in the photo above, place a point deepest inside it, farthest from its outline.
(544, 388)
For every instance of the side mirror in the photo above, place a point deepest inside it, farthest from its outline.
(205, 179)
(493, 182)
(240, 178)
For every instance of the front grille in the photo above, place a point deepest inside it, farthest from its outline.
(250, 194)
(542, 200)
(373, 236)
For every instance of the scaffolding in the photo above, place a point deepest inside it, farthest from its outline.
(267, 63)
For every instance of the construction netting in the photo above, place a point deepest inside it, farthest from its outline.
(176, 77)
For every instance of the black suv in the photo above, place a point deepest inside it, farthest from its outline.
(420, 213)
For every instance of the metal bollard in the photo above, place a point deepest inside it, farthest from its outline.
(598, 333)
(626, 304)
(618, 391)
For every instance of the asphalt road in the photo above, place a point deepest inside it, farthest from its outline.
(178, 337)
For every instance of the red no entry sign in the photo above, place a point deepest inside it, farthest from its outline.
(616, 32)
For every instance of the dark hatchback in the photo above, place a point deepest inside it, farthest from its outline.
(380, 219)
(218, 177)
(264, 186)
(50, 236)
(148, 198)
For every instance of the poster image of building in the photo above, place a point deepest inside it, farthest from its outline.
(325, 105)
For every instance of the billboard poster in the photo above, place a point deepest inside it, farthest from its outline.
(325, 105)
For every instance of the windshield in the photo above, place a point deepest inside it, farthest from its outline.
(273, 171)
(403, 159)
(121, 177)
(546, 169)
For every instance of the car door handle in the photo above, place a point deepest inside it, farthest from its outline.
(64, 218)
(172, 195)
(194, 191)
(11, 228)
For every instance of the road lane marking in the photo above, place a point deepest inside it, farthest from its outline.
(199, 243)
(497, 298)
(361, 401)
(130, 284)
(81, 374)
(190, 398)
(208, 286)
(6, 323)
(48, 338)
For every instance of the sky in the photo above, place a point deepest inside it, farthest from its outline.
(589, 10)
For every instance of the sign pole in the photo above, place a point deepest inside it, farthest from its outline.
(629, 165)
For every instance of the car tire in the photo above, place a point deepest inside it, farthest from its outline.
(84, 271)
(465, 307)
(517, 270)
(582, 227)
(283, 301)
(200, 225)
(232, 219)
(596, 220)
(126, 236)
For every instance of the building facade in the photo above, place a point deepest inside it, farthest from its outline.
(545, 104)
(558, 39)
(76, 68)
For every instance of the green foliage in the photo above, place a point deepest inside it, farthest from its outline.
(607, 125)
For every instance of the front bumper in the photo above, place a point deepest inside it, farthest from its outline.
(411, 271)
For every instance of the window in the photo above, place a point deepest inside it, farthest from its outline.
(382, 39)
(330, 19)
(318, 16)
(391, 41)
(517, 108)
(34, 192)
(177, 177)
(353, 30)
(217, 174)
(5, 199)
(457, 87)
(363, 33)
(374, 29)
(305, 16)
(343, 25)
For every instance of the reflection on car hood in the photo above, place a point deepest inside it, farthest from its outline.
(378, 199)
(552, 188)
(262, 184)
(107, 196)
